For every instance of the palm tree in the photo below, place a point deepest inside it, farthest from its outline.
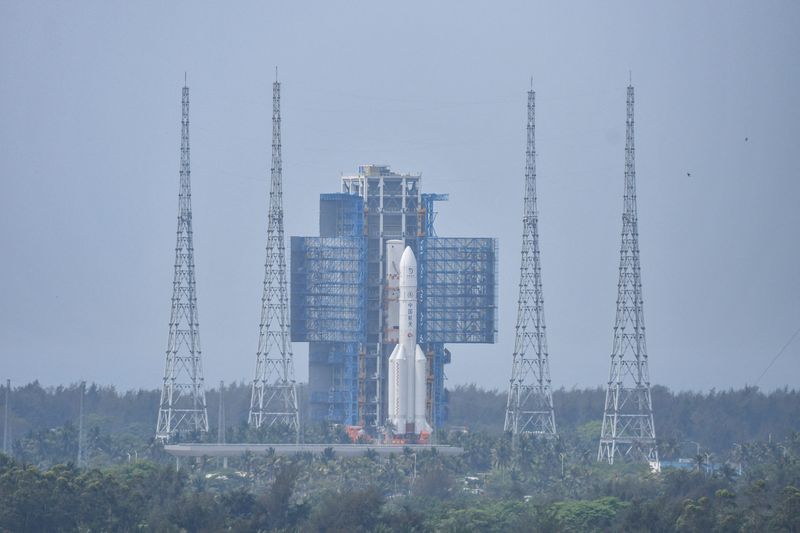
(700, 462)
(669, 448)
(371, 454)
(328, 454)
(501, 455)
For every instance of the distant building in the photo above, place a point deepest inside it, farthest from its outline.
(339, 297)
(692, 464)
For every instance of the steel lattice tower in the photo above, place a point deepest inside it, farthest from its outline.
(6, 428)
(274, 398)
(183, 400)
(81, 461)
(628, 430)
(530, 398)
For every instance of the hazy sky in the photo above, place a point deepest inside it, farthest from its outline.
(89, 152)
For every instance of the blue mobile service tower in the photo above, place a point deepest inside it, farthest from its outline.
(338, 294)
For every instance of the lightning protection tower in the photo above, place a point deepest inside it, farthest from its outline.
(81, 461)
(628, 430)
(183, 400)
(274, 397)
(530, 398)
(6, 428)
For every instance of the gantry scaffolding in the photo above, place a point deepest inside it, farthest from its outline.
(328, 295)
(340, 403)
(339, 300)
(457, 303)
(428, 213)
(328, 308)
(392, 211)
(457, 292)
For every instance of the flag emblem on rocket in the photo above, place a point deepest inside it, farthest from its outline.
(407, 364)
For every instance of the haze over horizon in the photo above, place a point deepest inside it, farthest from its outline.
(89, 151)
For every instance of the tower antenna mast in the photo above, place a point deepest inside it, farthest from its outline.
(81, 452)
(530, 398)
(274, 396)
(628, 431)
(221, 414)
(6, 428)
(183, 400)
(221, 425)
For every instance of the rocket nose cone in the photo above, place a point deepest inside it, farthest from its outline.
(408, 258)
(408, 268)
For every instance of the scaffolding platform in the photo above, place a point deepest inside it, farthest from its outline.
(338, 294)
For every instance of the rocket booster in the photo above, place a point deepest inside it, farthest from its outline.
(407, 364)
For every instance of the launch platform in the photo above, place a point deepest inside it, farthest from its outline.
(342, 450)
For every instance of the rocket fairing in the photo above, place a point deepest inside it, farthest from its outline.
(407, 364)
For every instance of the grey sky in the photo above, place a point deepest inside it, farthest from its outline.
(89, 139)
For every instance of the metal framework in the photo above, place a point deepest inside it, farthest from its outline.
(6, 428)
(339, 403)
(457, 290)
(392, 211)
(530, 397)
(183, 401)
(81, 459)
(221, 425)
(341, 215)
(340, 303)
(436, 407)
(429, 213)
(328, 294)
(274, 395)
(628, 430)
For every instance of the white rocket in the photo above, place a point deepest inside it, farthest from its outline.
(407, 364)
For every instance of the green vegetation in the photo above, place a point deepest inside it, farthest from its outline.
(746, 476)
(327, 493)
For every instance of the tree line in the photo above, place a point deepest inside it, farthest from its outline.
(43, 420)
(493, 487)
(742, 474)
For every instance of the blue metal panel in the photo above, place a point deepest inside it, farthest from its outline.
(457, 290)
(329, 304)
(341, 215)
(335, 293)
(441, 356)
(430, 213)
(339, 403)
(328, 294)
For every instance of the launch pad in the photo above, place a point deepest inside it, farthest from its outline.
(342, 450)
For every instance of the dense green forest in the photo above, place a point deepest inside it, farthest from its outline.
(490, 488)
(120, 423)
(741, 470)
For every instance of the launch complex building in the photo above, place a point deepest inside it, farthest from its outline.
(377, 296)
(344, 304)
